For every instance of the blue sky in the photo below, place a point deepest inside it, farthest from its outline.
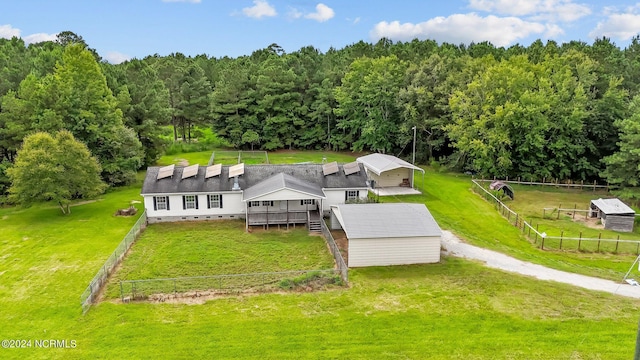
(123, 29)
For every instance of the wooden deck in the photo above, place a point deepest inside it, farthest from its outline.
(277, 218)
(309, 218)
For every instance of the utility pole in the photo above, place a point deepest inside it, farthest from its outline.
(414, 155)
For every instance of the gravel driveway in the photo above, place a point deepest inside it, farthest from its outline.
(455, 247)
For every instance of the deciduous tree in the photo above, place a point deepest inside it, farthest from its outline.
(55, 168)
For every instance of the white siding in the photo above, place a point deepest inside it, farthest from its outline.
(284, 194)
(294, 205)
(335, 197)
(231, 205)
(391, 178)
(336, 219)
(393, 251)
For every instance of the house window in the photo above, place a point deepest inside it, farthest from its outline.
(189, 202)
(214, 201)
(308, 202)
(254, 203)
(160, 203)
(267, 203)
(351, 195)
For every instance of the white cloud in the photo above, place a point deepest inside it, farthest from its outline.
(115, 57)
(8, 31)
(535, 10)
(356, 20)
(39, 37)
(294, 13)
(553, 31)
(259, 9)
(618, 26)
(322, 14)
(185, 1)
(462, 28)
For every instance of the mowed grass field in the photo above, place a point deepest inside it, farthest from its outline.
(456, 207)
(227, 157)
(531, 201)
(188, 249)
(453, 310)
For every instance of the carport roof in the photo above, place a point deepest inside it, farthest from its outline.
(367, 221)
(379, 163)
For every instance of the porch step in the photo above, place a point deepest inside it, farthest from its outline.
(314, 226)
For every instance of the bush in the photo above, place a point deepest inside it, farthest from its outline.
(203, 139)
(314, 278)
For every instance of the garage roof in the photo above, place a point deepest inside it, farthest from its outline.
(612, 206)
(366, 221)
(379, 163)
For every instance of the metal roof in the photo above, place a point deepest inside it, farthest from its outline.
(367, 221)
(310, 173)
(280, 182)
(379, 163)
(612, 206)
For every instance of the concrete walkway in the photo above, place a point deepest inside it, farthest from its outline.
(455, 247)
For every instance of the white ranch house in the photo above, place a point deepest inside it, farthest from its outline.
(284, 195)
(260, 194)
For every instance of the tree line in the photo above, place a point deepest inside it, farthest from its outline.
(569, 110)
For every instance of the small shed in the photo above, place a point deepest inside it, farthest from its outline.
(388, 234)
(614, 214)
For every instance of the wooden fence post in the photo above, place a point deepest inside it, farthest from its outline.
(561, 236)
(599, 237)
(579, 240)
(575, 207)
(617, 242)
(558, 215)
(542, 247)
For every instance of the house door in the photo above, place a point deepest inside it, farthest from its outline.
(283, 204)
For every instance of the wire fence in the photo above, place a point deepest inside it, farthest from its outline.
(90, 294)
(236, 157)
(552, 182)
(335, 251)
(561, 242)
(196, 286)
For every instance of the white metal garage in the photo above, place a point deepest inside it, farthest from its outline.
(388, 234)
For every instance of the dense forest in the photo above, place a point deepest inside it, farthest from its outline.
(566, 111)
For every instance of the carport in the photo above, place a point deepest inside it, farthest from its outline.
(389, 175)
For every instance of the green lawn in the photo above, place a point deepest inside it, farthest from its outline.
(453, 310)
(530, 202)
(276, 157)
(219, 247)
(456, 207)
